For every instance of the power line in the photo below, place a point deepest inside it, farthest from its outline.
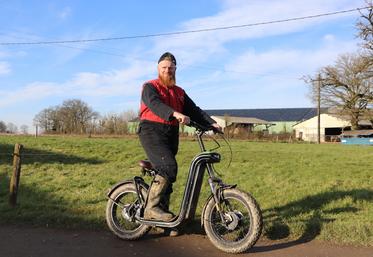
(186, 31)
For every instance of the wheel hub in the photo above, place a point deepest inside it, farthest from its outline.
(126, 212)
(232, 219)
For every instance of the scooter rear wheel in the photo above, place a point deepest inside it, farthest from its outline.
(242, 225)
(120, 210)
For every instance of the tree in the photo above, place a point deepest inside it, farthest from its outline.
(73, 116)
(47, 119)
(76, 116)
(365, 27)
(24, 129)
(11, 128)
(2, 127)
(347, 86)
(129, 115)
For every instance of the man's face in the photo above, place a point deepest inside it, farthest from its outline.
(166, 73)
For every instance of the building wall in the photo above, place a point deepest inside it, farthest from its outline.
(278, 128)
(307, 130)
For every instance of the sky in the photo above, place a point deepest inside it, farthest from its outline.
(240, 67)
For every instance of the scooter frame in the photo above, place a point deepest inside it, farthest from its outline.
(201, 162)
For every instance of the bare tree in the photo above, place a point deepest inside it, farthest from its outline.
(347, 86)
(73, 116)
(2, 127)
(129, 115)
(24, 129)
(365, 26)
(11, 128)
(113, 123)
(47, 120)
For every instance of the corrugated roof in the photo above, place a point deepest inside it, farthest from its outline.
(275, 114)
(244, 120)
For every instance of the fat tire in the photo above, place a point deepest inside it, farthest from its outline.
(141, 230)
(256, 222)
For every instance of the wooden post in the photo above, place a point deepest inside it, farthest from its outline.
(14, 181)
(318, 107)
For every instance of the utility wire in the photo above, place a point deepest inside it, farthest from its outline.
(186, 31)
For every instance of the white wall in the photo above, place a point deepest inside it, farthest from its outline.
(307, 130)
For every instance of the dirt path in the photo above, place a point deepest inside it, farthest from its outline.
(38, 242)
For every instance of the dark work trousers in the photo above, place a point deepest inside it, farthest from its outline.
(161, 142)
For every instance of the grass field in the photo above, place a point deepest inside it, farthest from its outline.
(306, 191)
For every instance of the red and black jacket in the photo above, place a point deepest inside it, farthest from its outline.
(159, 102)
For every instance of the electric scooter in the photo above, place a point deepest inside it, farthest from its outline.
(231, 218)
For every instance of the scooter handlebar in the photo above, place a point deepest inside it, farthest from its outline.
(204, 128)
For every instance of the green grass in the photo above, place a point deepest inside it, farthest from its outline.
(306, 191)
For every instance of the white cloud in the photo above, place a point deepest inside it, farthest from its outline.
(202, 45)
(112, 83)
(125, 82)
(4, 68)
(64, 13)
(267, 78)
(289, 61)
(31, 92)
(200, 48)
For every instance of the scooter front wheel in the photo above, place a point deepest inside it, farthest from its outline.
(239, 224)
(121, 209)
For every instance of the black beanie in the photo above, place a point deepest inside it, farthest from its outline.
(167, 56)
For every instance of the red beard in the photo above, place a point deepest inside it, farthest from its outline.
(168, 81)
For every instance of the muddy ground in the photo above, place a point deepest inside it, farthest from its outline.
(17, 241)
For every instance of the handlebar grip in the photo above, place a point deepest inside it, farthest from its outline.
(217, 131)
(204, 128)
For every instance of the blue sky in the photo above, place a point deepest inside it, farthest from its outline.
(248, 67)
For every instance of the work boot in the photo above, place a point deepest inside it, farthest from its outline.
(156, 193)
(165, 199)
(165, 205)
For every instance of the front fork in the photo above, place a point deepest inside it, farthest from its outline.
(217, 187)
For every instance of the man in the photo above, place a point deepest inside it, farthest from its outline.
(164, 106)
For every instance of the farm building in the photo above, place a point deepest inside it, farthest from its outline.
(331, 126)
(237, 125)
(275, 120)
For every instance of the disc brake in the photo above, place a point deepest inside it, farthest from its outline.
(232, 219)
(130, 211)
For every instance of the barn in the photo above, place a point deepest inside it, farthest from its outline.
(331, 127)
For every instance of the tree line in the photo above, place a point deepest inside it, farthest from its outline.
(11, 128)
(347, 85)
(74, 116)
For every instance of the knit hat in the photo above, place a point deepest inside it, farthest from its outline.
(167, 56)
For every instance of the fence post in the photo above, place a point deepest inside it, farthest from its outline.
(14, 181)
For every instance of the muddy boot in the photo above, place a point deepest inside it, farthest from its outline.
(165, 205)
(156, 192)
(165, 199)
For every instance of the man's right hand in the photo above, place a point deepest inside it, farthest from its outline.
(183, 119)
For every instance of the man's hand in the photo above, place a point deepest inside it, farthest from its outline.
(181, 118)
(217, 128)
